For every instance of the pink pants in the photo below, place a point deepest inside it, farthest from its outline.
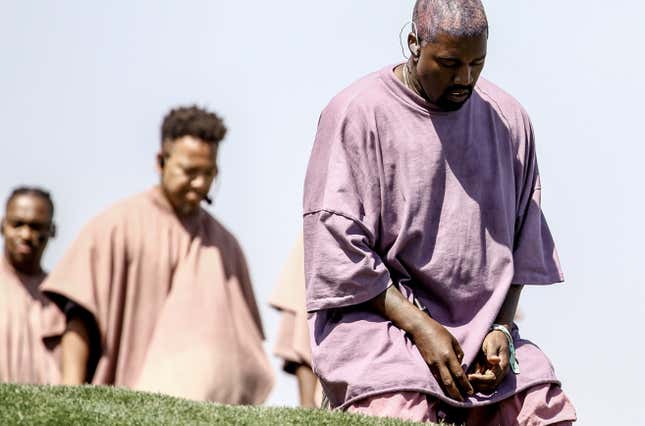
(540, 405)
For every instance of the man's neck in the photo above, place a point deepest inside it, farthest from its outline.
(28, 269)
(407, 75)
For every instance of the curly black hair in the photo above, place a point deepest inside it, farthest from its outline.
(192, 121)
(32, 190)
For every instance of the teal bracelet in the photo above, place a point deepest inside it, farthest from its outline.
(515, 365)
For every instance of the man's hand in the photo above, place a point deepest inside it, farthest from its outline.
(437, 346)
(443, 354)
(492, 363)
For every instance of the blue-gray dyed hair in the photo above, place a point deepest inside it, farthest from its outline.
(459, 18)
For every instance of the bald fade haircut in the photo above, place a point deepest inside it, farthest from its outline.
(458, 18)
(192, 121)
(32, 190)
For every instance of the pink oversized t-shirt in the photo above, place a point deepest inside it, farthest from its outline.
(445, 205)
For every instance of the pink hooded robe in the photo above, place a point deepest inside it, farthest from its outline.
(172, 300)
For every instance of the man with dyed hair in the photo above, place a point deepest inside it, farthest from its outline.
(157, 292)
(422, 222)
(30, 324)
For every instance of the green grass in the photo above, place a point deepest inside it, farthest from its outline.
(101, 405)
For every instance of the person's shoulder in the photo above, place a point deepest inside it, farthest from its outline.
(220, 234)
(7, 273)
(116, 215)
(507, 106)
(358, 98)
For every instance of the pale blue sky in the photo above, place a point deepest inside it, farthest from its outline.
(83, 87)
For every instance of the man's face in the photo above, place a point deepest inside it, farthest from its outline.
(26, 227)
(189, 167)
(449, 67)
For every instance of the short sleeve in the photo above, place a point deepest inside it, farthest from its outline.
(341, 267)
(535, 257)
(342, 209)
(83, 276)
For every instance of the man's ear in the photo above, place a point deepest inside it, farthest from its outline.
(2, 223)
(413, 45)
(52, 230)
(161, 161)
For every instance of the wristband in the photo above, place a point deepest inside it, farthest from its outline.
(515, 365)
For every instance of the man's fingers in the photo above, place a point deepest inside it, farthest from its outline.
(448, 383)
(483, 382)
(504, 359)
(460, 377)
(479, 378)
(494, 359)
(457, 348)
(480, 368)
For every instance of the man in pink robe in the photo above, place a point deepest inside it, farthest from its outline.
(157, 292)
(422, 222)
(292, 344)
(30, 324)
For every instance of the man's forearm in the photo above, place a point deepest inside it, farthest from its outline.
(75, 347)
(439, 349)
(392, 305)
(306, 385)
(509, 307)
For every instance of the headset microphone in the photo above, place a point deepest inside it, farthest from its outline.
(208, 200)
